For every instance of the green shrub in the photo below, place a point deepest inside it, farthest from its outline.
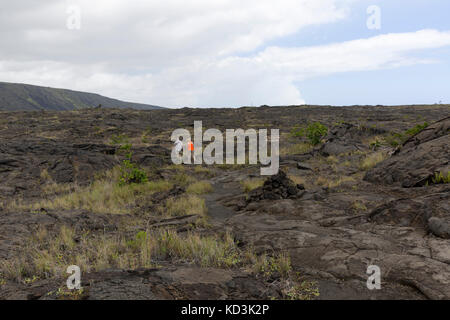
(397, 138)
(417, 129)
(118, 139)
(375, 145)
(315, 132)
(394, 139)
(129, 171)
(297, 132)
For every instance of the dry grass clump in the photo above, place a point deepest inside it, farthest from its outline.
(53, 188)
(176, 167)
(298, 148)
(50, 256)
(185, 205)
(359, 206)
(200, 187)
(204, 251)
(50, 187)
(297, 179)
(206, 171)
(347, 163)
(45, 175)
(251, 184)
(158, 186)
(267, 265)
(331, 159)
(104, 195)
(372, 160)
(300, 180)
(333, 183)
(182, 179)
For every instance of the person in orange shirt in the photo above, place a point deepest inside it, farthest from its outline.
(191, 149)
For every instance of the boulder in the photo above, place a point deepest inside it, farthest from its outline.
(439, 227)
(276, 187)
(345, 138)
(417, 160)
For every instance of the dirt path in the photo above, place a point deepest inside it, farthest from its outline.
(224, 186)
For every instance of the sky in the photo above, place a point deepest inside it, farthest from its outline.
(230, 53)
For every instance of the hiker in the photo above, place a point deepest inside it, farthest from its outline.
(191, 149)
(178, 145)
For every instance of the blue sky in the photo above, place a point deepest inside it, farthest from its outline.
(417, 84)
(231, 53)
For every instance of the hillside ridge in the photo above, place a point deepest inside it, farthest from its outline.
(27, 97)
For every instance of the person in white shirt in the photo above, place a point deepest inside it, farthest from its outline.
(178, 145)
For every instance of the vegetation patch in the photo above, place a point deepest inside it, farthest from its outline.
(297, 132)
(204, 171)
(372, 160)
(204, 251)
(417, 129)
(200, 187)
(130, 172)
(359, 206)
(396, 139)
(47, 255)
(315, 132)
(333, 182)
(251, 184)
(440, 178)
(182, 179)
(297, 148)
(302, 290)
(298, 180)
(268, 265)
(375, 144)
(119, 139)
(184, 205)
(104, 195)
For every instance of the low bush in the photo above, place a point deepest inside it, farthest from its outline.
(315, 132)
(129, 171)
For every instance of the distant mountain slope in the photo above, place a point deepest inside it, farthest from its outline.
(15, 97)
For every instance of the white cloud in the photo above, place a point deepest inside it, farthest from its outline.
(178, 53)
(384, 51)
(156, 33)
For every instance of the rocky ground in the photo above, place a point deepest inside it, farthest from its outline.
(374, 191)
